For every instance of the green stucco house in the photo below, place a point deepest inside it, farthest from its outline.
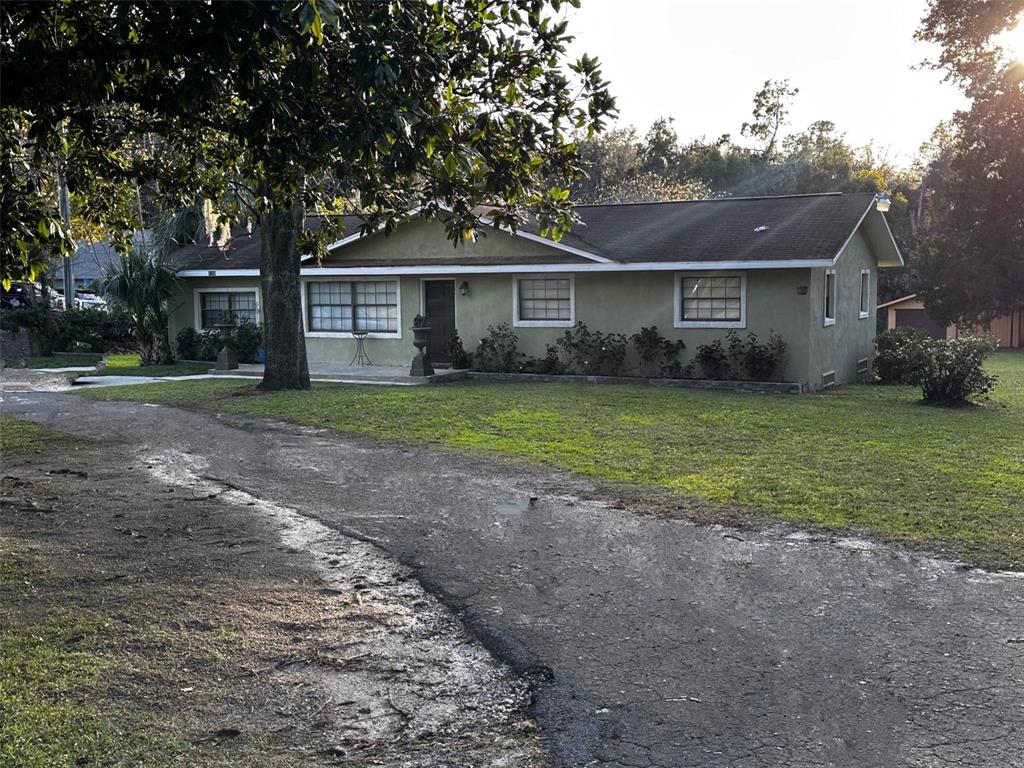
(805, 266)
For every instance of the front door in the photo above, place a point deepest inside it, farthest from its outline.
(439, 307)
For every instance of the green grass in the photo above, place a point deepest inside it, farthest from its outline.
(21, 437)
(48, 667)
(865, 458)
(130, 365)
(63, 361)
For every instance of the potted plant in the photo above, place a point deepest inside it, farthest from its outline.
(420, 338)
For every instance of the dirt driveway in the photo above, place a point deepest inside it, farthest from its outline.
(649, 642)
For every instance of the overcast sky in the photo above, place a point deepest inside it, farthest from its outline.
(701, 61)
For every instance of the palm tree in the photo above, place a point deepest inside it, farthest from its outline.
(142, 284)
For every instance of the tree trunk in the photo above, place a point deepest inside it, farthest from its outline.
(283, 337)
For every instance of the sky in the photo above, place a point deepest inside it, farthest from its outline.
(702, 61)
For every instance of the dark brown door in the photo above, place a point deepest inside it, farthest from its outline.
(439, 307)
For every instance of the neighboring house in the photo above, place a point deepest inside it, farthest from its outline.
(910, 312)
(90, 260)
(804, 266)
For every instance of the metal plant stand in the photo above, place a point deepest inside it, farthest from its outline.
(360, 357)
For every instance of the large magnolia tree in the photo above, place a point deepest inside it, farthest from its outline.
(278, 110)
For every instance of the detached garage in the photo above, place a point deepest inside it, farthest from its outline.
(909, 312)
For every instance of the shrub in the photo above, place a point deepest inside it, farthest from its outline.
(592, 352)
(952, 371)
(550, 364)
(714, 361)
(761, 362)
(59, 331)
(743, 359)
(457, 353)
(189, 343)
(498, 351)
(900, 355)
(247, 338)
(658, 356)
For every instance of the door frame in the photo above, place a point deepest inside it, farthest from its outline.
(455, 295)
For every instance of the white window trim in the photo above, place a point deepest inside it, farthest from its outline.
(517, 323)
(829, 321)
(678, 322)
(304, 285)
(865, 300)
(423, 295)
(197, 303)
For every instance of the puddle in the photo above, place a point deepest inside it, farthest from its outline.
(514, 508)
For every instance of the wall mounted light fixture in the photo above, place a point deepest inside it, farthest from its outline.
(464, 287)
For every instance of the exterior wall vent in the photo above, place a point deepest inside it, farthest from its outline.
(828, 379)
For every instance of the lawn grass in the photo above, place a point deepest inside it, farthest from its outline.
(63, 361)
(130, 365)
(23, 437)
(863, 458)
(47, 721)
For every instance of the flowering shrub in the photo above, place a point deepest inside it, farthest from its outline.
(900, 355)
(952, 372)
(498, 351)
(592, 352)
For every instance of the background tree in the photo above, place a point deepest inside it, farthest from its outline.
(275, 107)
(771, 110)
(972, 234)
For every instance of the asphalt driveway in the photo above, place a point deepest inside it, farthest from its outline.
(651, 642)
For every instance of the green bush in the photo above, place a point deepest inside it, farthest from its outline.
(900, 355)
(952, 373)
(498, 351)
(188, 344)
(742, 359)
(94, 329)
(594, 353)
(205, 345)
(713, 361)
(247, 338)
(457, 353)
(658, 355)
(550, 364)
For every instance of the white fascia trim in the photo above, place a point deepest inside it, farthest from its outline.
(304, 290)
(678, 322)
(218, 273)
(899, 253)
(517, 323)
(488, 222)
(559, 246)
(499, 269)
(860, 221)
(197, 306)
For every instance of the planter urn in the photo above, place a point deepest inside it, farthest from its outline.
(226, 359)
(421, 362)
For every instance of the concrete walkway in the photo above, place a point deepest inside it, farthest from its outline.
(650, 642)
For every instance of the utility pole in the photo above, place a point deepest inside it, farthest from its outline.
(64, 203)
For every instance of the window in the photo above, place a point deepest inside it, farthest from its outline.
(347, 306)
(865, 293)
(544, 301)
(217, 306)
(830, 297)
(713, 300)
